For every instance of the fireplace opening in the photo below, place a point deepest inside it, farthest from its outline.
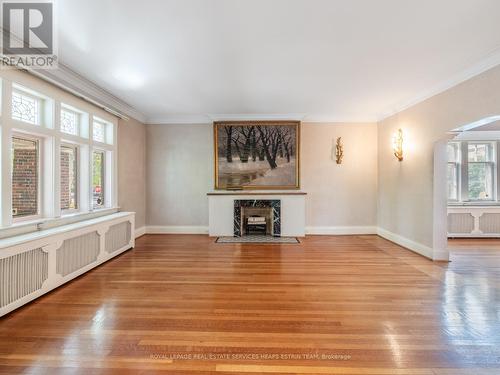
(257, 220)
(261, 214)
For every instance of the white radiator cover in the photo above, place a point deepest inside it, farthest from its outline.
(33, 264)
(474, 221)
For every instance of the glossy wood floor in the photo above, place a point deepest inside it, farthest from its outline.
(331, 305)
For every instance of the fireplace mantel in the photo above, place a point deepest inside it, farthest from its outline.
(259, 192)
(221, 210)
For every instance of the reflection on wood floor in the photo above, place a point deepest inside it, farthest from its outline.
(182, 304)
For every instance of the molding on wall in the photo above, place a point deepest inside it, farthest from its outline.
(140, 231)
(341, 230)
(209, 118)
(406, 243)
(68, 80)
(488, 62)
(176, 229)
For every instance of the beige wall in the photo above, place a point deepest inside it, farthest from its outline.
(132, 169)
(180, 173)
(342, 195)
(405, 198)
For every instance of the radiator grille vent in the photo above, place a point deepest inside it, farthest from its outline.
(76, 253)
(22, 274)
(490, 223)
(460, 223)
(118, 236)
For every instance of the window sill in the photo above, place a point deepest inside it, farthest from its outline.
(474, 204)
(37, 235)
(35, 225)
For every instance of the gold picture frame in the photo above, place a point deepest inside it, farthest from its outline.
(284, 156)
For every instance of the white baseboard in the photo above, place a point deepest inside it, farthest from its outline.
(176, 229)
(140, 232)
(341, 230)
(406, 243)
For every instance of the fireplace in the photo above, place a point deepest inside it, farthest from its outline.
(253, 215)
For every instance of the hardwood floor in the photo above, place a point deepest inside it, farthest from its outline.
(180, 304)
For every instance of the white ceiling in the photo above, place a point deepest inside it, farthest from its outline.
(331, 60)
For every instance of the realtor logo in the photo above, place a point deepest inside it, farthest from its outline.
(28, 34)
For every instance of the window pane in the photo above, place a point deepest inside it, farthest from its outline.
(24, 177)
(452, 151)
(480, 152)
(480, 181)
(99, 131)
(69, 122)
(68, 178)
(452, 182)
(25, 108)
(98, 178)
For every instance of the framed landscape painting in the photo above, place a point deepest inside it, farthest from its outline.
(257, 154)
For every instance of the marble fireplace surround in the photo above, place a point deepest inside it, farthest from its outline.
(274, 204)
(222, 205)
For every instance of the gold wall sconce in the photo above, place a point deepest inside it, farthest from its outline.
(397, 144)
(339, 150)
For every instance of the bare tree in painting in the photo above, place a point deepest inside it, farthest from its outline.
(243, 142)
(229, 141)
(287, 141)
(271, 141)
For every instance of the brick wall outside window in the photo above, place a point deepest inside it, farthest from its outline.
(24, 177)
(65, 181)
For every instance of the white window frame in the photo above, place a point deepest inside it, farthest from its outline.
(463, 174)
(39, 199)
(50, 138)
(76, 148)
(457, 166)
(493, 165)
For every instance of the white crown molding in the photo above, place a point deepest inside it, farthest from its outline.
(179, 119)
(337, 120)
(490, 61)
(209, 118)
(80, 86)
(257, 117)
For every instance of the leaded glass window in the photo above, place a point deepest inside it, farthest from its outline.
(99, 131)
(25, 108)
(69, 122)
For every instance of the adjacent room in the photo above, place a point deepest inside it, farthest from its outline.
(250, 187)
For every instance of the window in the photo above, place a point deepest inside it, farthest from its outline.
(54, 168)
(99, 131)
(25, 108)
(70, 122)
(69, 177)
(98, 170)
(25, 177)
(453, 170)
(481, 167)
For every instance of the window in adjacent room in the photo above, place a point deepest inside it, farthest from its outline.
(98, 173)
(25, 177)
(481, 169)
(453, 171)
(69, 177)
